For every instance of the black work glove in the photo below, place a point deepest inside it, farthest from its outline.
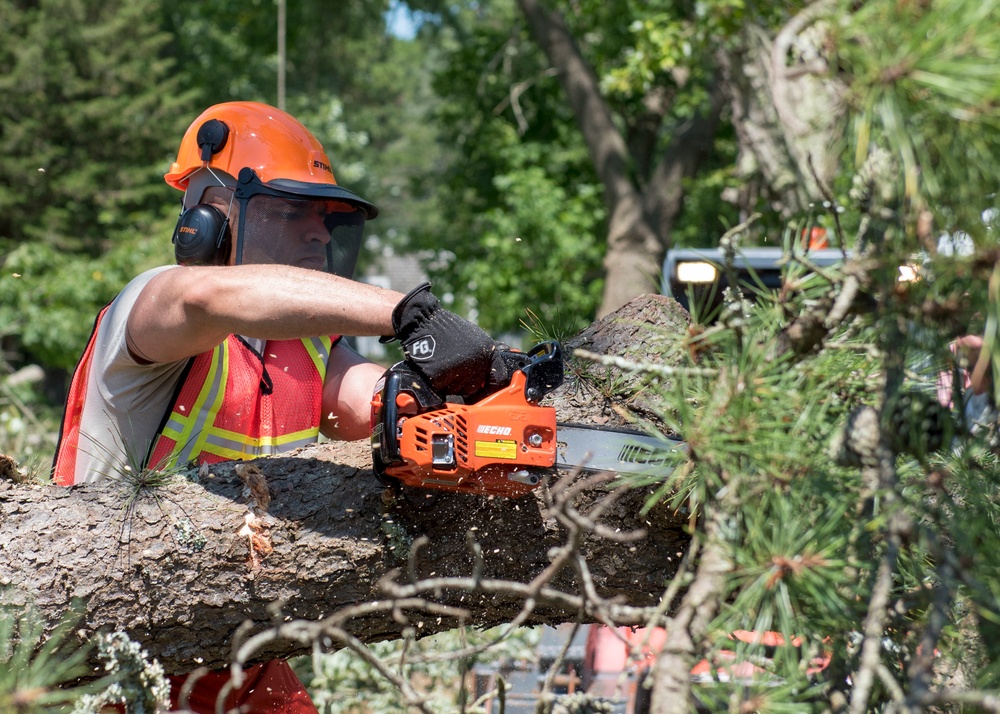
(457, 357)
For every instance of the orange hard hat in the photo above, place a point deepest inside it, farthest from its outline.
(281, 151)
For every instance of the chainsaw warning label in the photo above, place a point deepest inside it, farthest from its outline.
(499, 449)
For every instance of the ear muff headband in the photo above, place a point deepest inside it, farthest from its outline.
(201, 236)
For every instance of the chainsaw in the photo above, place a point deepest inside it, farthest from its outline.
(502, 444)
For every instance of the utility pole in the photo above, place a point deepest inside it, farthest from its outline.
(281, 54)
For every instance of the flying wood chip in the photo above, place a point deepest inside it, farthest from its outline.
(254, 478)
(9, 469)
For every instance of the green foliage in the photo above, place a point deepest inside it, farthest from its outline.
(49, 298)
(88, 121)
(704, 217)
(519, 210)
(90, 113)
(792, 569)
(34, 668)
(807, 535)
(972, 515)
(922, 83)
(540, 252)
(672, 41)
(343, 682)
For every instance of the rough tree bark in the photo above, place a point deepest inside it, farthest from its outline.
(185, 565)
(787, 111)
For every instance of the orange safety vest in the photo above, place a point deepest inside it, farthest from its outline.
(231, 404)
(64, 465)
(234, 404)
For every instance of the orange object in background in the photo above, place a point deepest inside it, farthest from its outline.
(815, 238)
(609, 650)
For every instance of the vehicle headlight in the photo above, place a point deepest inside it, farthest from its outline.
(696, 272)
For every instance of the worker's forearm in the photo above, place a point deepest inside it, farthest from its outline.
(279, 302)
(187, 311)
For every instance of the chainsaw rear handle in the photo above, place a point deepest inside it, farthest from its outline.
(542, 366)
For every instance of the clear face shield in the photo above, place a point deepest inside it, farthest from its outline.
(288, 226)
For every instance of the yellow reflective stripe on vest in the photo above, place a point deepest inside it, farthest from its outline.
(319, 349)
(190, 431)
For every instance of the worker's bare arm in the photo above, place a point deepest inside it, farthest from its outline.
(187, 311)
(347, 395)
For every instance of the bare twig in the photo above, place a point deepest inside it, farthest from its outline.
(513, 98)
(922, 663)
(880, 484)
(404, 598)
(550, 676)
(644, 367)
(779, 63)
(988, 701)
(831, 202)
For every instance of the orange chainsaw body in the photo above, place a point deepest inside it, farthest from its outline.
(499, 446)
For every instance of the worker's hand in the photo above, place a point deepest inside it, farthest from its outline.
(456, 356)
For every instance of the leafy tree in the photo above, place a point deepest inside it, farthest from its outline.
(578, 88)
(506, 108)
(85, 135)
(926, 95)
(516, 205)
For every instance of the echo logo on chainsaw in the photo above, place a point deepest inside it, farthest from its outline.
(422, 348)
(490, 429)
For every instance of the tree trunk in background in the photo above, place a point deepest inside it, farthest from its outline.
(786, 112)
(181, 571)
(640, 219)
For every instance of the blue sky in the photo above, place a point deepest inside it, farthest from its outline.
(400, 20)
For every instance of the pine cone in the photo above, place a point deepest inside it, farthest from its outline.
(915, 423)
(856, 445)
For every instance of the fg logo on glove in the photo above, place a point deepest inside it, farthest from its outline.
(421, 348)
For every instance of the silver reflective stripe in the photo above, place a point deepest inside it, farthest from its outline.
(251, 450)
(210, 405)
(320, 347)
(173, 424)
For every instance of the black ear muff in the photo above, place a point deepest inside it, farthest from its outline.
(201, 236)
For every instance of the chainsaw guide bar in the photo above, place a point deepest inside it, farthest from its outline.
(623, 451)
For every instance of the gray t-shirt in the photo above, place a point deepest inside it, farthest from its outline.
(126, 400)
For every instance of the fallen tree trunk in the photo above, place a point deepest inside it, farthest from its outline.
(182, 566)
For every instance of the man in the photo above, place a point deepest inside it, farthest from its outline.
(235, 352)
